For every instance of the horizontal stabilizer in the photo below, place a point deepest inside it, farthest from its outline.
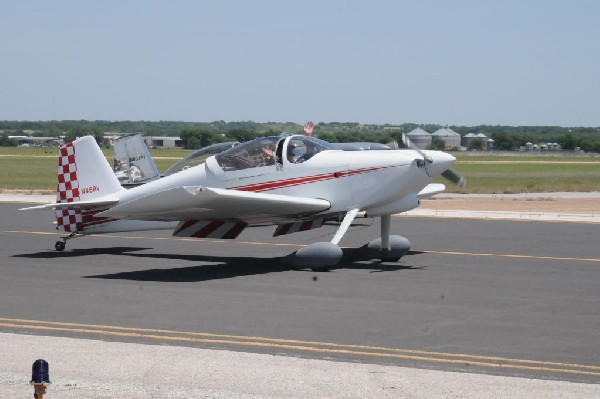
(205, 203)
(91, 204)
(431, 190)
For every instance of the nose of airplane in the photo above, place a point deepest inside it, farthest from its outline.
(440, 162)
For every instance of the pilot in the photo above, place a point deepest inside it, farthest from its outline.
(296, 152)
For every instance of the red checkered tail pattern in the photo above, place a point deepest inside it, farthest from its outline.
(83, 175)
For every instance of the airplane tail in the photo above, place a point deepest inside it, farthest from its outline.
(85, 181)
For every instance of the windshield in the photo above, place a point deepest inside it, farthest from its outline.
(199, 156)
(252, 154)
(301, 148)
(265, 151)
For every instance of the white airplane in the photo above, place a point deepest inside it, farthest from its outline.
(294, 182)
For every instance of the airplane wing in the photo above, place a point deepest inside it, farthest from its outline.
(206, 203)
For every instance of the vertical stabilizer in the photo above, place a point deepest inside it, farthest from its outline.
(83, 175)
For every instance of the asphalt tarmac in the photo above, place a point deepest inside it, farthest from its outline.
(497, 297)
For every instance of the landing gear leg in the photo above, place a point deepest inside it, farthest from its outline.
(386, 253)
(321, 256)
(60, 245)
(387, 248)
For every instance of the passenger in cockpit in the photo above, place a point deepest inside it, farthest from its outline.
(268, 154)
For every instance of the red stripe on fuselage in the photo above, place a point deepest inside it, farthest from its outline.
(297, 181)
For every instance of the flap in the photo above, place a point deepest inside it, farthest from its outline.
(203, 203)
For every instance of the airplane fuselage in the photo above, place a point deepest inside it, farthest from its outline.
(346, 179)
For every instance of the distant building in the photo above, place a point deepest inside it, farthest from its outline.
(529, 146)
(420, 138)
(163, 141)
(151, 141)
(448, 136)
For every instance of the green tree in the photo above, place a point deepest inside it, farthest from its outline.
(503, 141)
(437, 144)
(241, 135)
(588, 144)
(85, 130)
(6, 141)
(476, 144)
(197, 138)
(52, 131)
(567, 141)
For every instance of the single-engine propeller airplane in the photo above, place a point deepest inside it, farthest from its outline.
(293, 182)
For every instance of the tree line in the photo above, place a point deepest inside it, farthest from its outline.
(198, 134)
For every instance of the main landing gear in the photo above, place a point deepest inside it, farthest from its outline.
(388, 248)
(60, 245)
(321, 256)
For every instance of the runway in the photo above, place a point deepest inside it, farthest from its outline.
(485, 296)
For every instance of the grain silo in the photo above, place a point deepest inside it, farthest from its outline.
(420, 138)
(448, 136)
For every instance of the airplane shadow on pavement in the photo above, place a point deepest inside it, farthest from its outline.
(74, 253)
(231, 267)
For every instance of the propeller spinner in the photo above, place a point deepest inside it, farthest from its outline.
(448, 174)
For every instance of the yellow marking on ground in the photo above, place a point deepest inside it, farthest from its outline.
(159, 238)
(280, 340)
(512, 256)
(32, 232)
(516, 256)
(308, 346)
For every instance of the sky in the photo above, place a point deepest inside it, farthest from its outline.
(460, 62)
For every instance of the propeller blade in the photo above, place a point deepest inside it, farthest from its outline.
(455, 178)
(412, 146)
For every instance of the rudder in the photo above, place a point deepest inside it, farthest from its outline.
(83, 175)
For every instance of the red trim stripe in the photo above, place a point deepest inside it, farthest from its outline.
(277, 184)
(235, 231)
(284, 229)
(306, 225)
(185, 225)
(206, 230)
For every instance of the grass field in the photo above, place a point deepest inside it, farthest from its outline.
(34, 169)
(520, 177)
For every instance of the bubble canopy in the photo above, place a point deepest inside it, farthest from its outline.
(268, 151)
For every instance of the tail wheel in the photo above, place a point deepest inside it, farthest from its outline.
(60, 245)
